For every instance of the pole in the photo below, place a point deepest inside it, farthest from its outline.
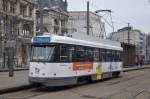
(128, 43)
(41, 15)
(128, 32)
(10, 61)
(88, 19)
(112, 22)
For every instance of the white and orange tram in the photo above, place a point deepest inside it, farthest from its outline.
(60, 61)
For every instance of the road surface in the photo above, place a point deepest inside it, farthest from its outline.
(133, 85)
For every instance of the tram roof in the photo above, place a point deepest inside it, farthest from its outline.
(68, 40)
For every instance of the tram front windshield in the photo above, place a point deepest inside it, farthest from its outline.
(42, 53)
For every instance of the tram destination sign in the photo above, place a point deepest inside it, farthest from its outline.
(41, 40)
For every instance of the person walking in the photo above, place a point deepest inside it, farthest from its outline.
(141, 62)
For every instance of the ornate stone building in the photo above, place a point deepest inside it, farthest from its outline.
(148, 48)
(55, 16)
(16, 30)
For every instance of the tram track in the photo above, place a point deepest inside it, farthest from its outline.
(141, 92)
(24, 93)
(32, 91)
(16, 89)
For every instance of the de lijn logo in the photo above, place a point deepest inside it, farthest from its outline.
(41, 40)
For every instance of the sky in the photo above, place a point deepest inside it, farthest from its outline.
(135, 12)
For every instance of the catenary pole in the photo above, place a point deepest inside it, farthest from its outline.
(88, 18)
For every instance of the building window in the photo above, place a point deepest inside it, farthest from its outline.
(56, 22)
(5, 5)
(26, 30)
(12, 7)
(23, 10)
(11, 27)
(30, 11)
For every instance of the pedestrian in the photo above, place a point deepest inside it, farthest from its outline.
(141, 62)
(137, 61)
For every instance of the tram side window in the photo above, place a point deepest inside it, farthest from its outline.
(110, 56)
(107, 57)
(63, 53)
(89, 54)
(80, 54)
(119, 56)
(71, 53)
(102, 55)
(96, 55)
(116, 56)
(74, 54)
(113, 56)
(120, 59)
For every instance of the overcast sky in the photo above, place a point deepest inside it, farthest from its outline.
(136, 12)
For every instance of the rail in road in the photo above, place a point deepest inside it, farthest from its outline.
(35, 92)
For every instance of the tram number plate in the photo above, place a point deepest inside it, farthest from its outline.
(37, 70)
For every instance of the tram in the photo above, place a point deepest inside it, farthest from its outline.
(62, 61)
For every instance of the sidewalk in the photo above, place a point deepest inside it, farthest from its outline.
(20, 79)
(136, 68)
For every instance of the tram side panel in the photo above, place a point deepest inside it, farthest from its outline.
(68, 73)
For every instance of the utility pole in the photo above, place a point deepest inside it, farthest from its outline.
(112, 21)
(128, 61)
(41, 15)
(128, 32)
(9, 41)
(88, 18)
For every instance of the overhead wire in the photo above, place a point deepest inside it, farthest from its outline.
(112, 15)
(114, 20)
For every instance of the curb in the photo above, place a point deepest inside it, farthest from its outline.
(23, 87)
(15, 89)
(14, 70)
(127, 70)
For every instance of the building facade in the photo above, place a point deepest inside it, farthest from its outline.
(16, 30)
(148, 48)
(78, 24)
(55, 4)
(131, 36)
(55, 16)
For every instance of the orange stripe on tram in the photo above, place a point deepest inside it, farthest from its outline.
(82, 66)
